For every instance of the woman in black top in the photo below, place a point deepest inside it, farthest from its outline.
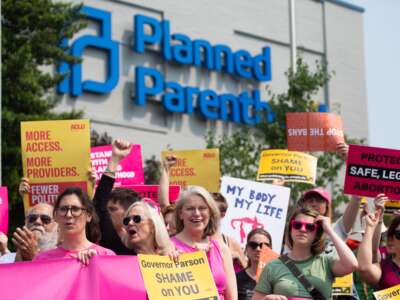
(246, 278)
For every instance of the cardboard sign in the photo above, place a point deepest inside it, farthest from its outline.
(252, 205)
(55, 155)
(392, 293)
(195, 167)
(188, 279)
(290, 165)
(149, 193)
(343, 286)
(371, 171)
(130, 169)
(313, 131)
(266, 255)
(3, 209)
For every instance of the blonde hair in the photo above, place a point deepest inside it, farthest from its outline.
(212, 225)
(161, 236)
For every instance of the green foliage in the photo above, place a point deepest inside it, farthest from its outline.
(240, 152)
(31, 34)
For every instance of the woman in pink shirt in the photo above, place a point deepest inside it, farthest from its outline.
(197, 217)
(78, 226)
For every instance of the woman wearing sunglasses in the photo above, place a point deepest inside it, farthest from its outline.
(197, 217)
(246, 279)
(145, 231)
(78, 227)
(386, 273)
(305, 238)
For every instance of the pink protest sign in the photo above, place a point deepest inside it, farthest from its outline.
(371, 171)
(106, 277)
(130, 169)
(3, 209)
(149, 193)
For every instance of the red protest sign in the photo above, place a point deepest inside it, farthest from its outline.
(371, 171)
(149, 193)
(312, 131)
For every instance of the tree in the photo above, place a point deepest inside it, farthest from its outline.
(31, 34)
(240, 152)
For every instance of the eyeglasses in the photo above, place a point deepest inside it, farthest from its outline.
(44, 218)
(135, 218)
(255, 245)
(76, 211)
(396, 234)
(309, 227)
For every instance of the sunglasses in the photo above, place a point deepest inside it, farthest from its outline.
(135, 218)
(255, 245)
(396, 234)
(309, 227)
(44, 218)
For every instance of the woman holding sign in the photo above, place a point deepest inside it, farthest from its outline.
(306, 266)
(196, 219)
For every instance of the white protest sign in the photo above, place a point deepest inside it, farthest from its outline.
(252, 205)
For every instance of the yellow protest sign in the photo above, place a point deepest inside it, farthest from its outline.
(188, 279)
(388, 294)
(289, 165)
(343, 286)
(195, 167)
(55, 155)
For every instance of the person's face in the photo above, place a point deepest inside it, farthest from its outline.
(222, 209)
(316, 203)
(40, 219)
(395, 242)
(389, 245)
(140, 229)
(254, 246)
(117, 213)
(301, 232)
(195, 213)
(71, 216)
(170, 223)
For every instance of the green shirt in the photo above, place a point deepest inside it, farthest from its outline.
(276, 278)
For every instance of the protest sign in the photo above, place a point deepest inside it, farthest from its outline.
(106, 277)
(371, 171)
(55, 155)
(252, 205)
(391, 206)
(130, 169)
(3, 209)
(291, 166)
(266, 255)
(313, 131)
(392, 293)
(149, 193)
(343, 286)
(188, 279)
(195, 167)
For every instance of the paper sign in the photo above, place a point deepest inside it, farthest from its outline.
(371, 171)
(254, 205)
(188, 279)
(55, 155)
(149, 193)
(343, 286)
(289, 165)
(392, 293)
(313, 131)
(266, 255)
(3, 209)
(391, 206)
(130, 169)
(195, 167)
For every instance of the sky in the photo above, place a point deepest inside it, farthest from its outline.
(382, 61)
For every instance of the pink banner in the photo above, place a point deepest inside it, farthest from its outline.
(3, 209)
(149, 193)
(371, 171)
(107, 277)
(130, 169)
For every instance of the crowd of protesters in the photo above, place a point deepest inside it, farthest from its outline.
(117, 222)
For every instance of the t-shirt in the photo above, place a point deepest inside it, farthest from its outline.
(8, 258)
(276, 278)
(390, 274)
(60, 252)
(245, 285)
